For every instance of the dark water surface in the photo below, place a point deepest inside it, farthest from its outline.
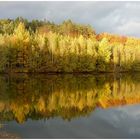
(70, 106)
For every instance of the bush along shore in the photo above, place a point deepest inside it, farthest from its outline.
(42, 47)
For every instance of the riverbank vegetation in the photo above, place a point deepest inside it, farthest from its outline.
(42, 46)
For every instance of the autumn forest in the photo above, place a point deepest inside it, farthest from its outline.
(43, 46)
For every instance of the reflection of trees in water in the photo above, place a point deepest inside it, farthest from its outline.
(67, 96)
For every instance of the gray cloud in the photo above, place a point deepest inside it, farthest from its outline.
(114, 17)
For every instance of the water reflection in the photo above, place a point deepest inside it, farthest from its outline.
(67, 96)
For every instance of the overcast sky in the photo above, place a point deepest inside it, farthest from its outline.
(114, 17)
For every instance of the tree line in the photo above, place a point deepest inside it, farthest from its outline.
(42, 46)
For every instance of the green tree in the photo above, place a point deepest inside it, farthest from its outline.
(104, 53)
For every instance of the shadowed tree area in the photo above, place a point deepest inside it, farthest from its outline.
(43, 46)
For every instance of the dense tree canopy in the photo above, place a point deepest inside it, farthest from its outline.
(42, 46)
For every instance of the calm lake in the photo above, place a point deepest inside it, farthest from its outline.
(70, 106)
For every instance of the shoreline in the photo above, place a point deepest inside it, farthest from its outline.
(71, 73)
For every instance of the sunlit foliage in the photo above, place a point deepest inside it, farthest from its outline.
(42, 46)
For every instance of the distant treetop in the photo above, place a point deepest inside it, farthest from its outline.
(43, 26)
